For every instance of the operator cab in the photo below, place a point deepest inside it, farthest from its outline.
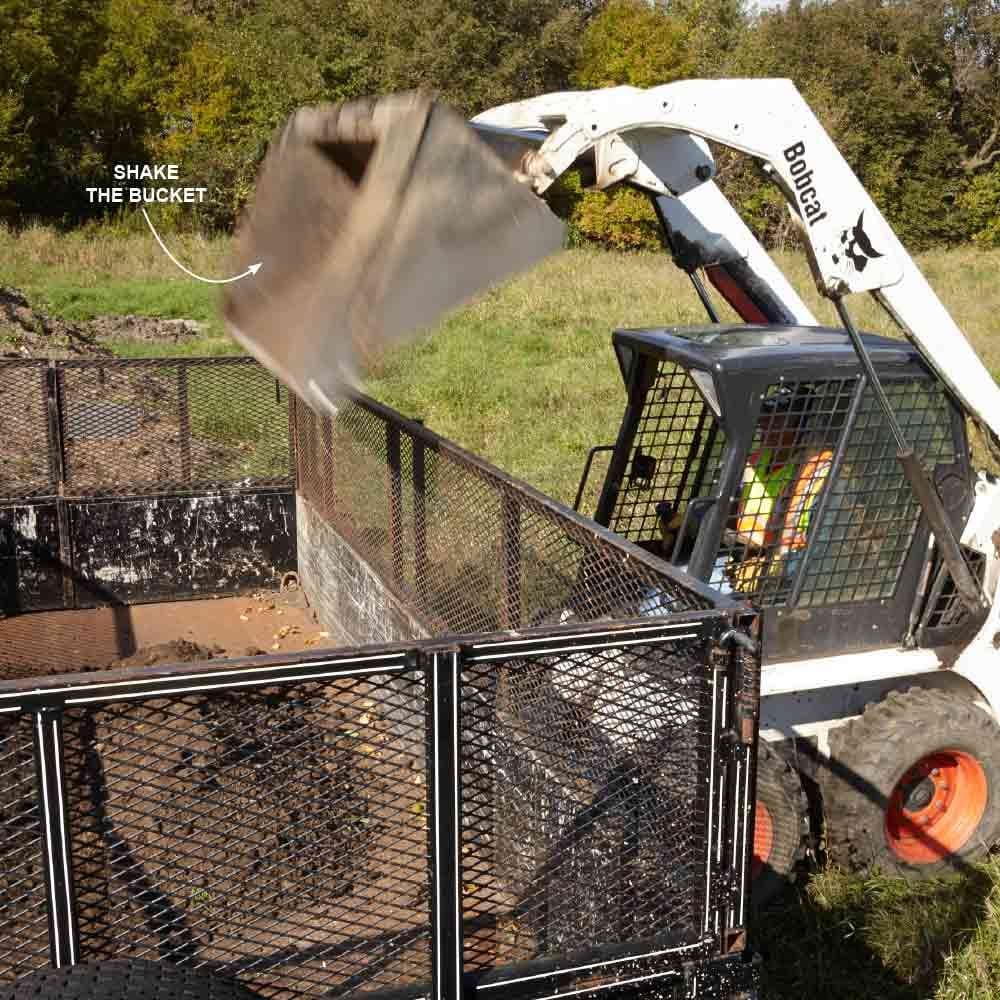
(757, 459)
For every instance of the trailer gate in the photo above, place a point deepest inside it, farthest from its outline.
(519, 815)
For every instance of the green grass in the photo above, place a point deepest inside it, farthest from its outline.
(526, 377)
(80, 276)
(842, 936)
(249, 420)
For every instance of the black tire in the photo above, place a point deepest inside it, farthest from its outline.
(782, 825)
(125, 979)
(864, 790)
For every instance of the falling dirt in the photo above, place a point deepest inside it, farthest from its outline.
(27, 332)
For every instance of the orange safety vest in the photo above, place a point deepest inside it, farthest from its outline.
(764, 485)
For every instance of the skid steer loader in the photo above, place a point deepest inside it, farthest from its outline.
(821, 473)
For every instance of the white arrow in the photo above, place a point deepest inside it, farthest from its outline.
(251, 270)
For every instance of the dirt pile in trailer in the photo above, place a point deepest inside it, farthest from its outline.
(174, 651)
(47, 643)
(27, 332)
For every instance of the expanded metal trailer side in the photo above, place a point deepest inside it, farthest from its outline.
(560, 811)
(125, 481)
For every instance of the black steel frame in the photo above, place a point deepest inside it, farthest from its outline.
(730, 668)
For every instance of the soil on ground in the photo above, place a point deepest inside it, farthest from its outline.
(174, 651)
(27, 332)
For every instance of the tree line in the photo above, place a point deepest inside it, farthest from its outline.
(908, 89)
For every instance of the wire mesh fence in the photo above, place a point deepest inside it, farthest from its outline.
(228, 829)
(112, 472)
(28, 466)
(137, 426)
(328, 824)
(585, 797)
(464, 546)
(24, 929)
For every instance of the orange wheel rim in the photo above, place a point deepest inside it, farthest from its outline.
(935, 807)
(763, 839)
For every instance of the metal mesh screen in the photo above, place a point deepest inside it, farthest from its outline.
(871, 516)
(797, 432)
(584, 799)
(135, 480)
(466, 547)
(676, 457)
(24, 928)
(391, 818)
(944, 608)
(171, 425)
(25, 469)
(278, 835)
(860, 534)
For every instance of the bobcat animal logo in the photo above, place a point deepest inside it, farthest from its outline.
(857, 245)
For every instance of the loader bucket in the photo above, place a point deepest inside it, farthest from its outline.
(371, 219)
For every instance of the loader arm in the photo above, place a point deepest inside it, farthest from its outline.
(703, 229)
(654, 139)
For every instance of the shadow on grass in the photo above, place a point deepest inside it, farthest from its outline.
(847, 936)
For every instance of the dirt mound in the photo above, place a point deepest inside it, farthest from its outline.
(146, 328)
(26, 332)
(175, 651)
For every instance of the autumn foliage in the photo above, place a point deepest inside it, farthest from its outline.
(909, 90)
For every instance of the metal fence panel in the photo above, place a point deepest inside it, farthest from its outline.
(24, 927)
(464, 546)
(171, 424)
(26, 461)
(585, 797)
(126, 480)
(519, 814)
(272, 827)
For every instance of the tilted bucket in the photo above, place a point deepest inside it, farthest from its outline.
(371, 219)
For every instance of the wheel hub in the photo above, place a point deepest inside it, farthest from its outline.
(935, 807)
(918, 795)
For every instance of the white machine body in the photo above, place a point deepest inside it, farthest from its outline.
(657, 140)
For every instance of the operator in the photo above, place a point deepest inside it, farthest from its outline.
(781, 483)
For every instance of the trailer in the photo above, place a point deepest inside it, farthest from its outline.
(509, 773)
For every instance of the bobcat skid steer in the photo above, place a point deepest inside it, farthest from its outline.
(820, 473)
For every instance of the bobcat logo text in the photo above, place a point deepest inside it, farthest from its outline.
(802, 179)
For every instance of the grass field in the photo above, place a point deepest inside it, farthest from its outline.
(81, 276)
(526, 377)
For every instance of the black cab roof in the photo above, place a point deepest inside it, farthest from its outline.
(746, 347)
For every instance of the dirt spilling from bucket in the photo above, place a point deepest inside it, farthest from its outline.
(28, 332)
